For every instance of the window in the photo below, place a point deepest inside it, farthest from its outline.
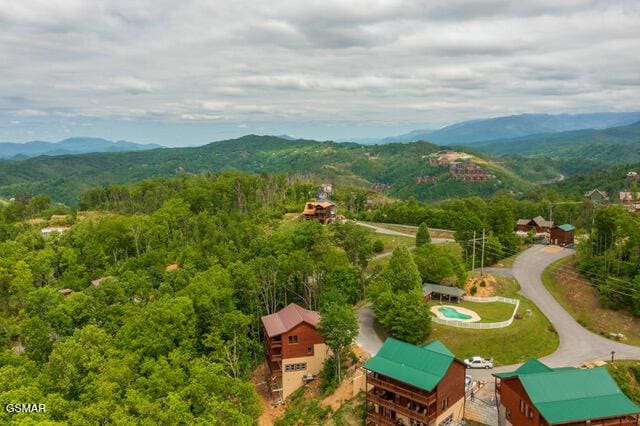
(445, 403)
(293, 339)
(522, 406)
(301, 366)
(508, 412)
(309, 350)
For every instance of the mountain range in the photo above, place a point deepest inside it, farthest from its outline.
(513, 126)
(70, 146)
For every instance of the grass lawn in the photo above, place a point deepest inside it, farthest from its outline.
(412, 230)
(581, 300)
(489, 312)
(627, 376)
(528, 337)
(392, 242)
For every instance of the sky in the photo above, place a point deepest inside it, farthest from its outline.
(189, 72)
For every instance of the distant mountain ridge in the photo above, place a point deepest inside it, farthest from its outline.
(402, 165)
(70, 146)
(513, 126)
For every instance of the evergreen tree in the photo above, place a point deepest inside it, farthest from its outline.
(422, 236)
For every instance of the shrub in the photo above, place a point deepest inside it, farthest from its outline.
(474, 290)
(378, 246)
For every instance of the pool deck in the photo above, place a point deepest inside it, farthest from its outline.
(474, 316)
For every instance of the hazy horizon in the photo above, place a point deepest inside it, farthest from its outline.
(189, 73)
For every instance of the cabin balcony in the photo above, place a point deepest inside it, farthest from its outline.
(406, 391)
(405, 407)
(379, 419)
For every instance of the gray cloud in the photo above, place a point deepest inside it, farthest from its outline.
(384, 62)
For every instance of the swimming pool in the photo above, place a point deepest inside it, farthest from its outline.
(453, 313)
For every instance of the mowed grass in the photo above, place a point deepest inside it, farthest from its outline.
(412, 230)
(489, 312)
(581, 300)
(391, 242)
(532, 336)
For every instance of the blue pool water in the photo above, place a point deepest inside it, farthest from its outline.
(452, 313)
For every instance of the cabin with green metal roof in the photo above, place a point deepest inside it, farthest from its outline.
(409, 384)
(562, 235)
(536, 394)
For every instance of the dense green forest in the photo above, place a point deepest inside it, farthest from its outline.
(150, 345)
(65, 177)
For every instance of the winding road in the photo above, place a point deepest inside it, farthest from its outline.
(577, 344)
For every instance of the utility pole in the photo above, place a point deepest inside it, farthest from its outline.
(482, 256)
(473, 259)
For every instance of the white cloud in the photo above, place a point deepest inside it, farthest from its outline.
(380, 61)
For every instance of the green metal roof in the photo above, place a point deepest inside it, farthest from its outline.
(442, 289)
(572, 394)
(567, 227)
(420, 366)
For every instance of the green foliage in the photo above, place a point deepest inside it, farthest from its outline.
(378, 246)
(303, 412)
(422, 235)
(157, 346)
(401, 274)
(339, 328)
(438, 265)
(328, 377)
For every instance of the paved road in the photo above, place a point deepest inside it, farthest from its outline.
(401, 234)
(577, 344)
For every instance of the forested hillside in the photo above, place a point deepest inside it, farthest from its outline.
(155, 345)
(573, 152)
(399, 165)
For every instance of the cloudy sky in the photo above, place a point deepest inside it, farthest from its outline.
(188, 72)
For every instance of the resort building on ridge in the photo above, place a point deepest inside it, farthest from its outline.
(323, 211)
(536, 394)
(411, 385)
(294, 349)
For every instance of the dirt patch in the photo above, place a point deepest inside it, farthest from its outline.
(486, 286)
(552, 249)
(269, 411)
(582, 300)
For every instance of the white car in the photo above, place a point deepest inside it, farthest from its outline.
(478, 362)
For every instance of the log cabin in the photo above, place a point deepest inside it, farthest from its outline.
(322, 211)
(562, 235)
(294, 349)
(409, 385)
(536, 394)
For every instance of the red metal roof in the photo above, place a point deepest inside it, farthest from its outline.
(287, 318)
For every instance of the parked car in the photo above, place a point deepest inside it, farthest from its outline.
(478, 362)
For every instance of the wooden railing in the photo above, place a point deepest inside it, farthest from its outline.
(379, 419)
(400, 390)
(415, 415)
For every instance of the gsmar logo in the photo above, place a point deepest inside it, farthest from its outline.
(25, 408)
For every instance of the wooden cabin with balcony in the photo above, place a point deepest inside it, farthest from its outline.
(538, 395)
(294, 349)
(411, 385)
(323, 211)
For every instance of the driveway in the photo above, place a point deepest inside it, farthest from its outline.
(577, 344)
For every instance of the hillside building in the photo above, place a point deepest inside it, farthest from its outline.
(323, 211)
(468, 171)
(538, 223)
(562, 235)
(411, 385)
(536, 394)
(630, 200)
(294, 349)
(597, 196)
